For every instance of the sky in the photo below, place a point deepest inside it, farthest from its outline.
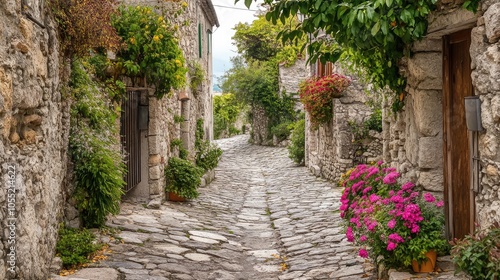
(222, 46)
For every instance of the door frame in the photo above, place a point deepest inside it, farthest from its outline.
(447, 160)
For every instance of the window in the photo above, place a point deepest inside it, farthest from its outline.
(209, 41)
(200, 39)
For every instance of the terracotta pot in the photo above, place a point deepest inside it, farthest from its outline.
(426, 266)
(174, 197)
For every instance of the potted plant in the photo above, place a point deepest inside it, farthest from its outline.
(317, 95)
(391, 220)
(182, 179)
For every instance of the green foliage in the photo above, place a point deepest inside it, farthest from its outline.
(196, 75)
(75, 247)
(152, 49)
(478, 254)
(207, 154)
(226, 111)
(374, 35)
(258, 41)
(282, 130)
(178, 119)
(183, 153)
(94, 150)
(183, 178)
(374, 122)
(296, 150)
(78, 21)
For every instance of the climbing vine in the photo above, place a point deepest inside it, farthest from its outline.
(374, 35)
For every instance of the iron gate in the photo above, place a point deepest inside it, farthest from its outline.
(130, 137)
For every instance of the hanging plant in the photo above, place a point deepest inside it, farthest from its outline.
(317, 95)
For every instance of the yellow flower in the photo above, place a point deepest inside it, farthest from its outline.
(156, 38)
(177, 77)
(184, 4)
(178, 62)
(132, 40)
(160, 19)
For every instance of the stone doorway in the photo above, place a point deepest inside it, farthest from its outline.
(457, 84)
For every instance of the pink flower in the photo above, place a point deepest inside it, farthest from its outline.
(429, 197)
(367, 189)
(349, 235)
(407, 186)
(391, 246)
(440, 204)
(363, 253)
(391, 178)
(374, 198)
(394, 237)
(363, 238)
(391, 224)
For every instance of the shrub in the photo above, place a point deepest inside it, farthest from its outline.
(207, 154)
(94, 150)
(388, 219)
(478, 254)
(296, 150)
(226, 111)
(282, 130)
(196, 75)
(317, 95)
(75, 247)
(183, 178)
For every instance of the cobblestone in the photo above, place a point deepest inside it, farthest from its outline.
(261, 218)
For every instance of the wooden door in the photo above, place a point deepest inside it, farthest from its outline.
(457, 84)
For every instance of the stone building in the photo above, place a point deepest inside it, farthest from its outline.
(429, 141)
(191, 103)
(333, 148)
(34, 126)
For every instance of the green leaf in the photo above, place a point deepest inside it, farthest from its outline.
(248, 3)
(375, 28)
(385, 27)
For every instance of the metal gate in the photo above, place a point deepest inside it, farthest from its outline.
(130, 137)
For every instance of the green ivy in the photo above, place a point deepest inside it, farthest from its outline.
(183, 178)
(183, 153)
(94, 149)
(75, 246)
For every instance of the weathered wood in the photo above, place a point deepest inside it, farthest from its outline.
(457, 85)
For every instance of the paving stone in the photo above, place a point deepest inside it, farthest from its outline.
(260, 204)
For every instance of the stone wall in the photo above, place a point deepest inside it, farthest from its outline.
(330, 149)
(260, 130)
(192, 104)
(413, 138)
(34, 122)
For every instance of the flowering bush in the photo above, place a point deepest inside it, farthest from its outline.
(151, 49)
(391, 220)
(317, 94)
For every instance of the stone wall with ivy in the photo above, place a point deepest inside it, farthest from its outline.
(413, 138)
(34, 123)
(333, 148)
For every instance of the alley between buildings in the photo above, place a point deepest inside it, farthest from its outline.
(262, 218)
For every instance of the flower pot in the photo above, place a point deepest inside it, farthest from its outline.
(426, 266)
(174, 197)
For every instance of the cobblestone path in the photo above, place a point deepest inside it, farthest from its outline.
(262, 218)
